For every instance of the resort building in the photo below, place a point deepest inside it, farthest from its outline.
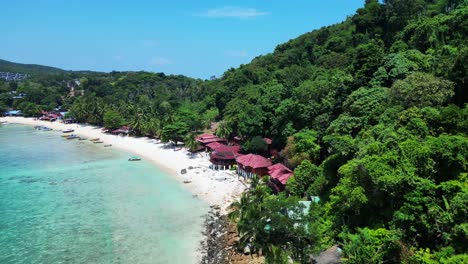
(223, 157)
(205, 139)
(125, 130)
(13, 76)
(279, 175)
(251, 164)
(50, 116)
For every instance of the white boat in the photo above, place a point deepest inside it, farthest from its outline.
(134, 158)
(69, 130)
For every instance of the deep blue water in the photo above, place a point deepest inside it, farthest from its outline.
(70, 201)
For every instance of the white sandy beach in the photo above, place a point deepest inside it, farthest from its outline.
(218, 188)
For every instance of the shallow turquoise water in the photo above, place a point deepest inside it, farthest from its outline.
(69, 201)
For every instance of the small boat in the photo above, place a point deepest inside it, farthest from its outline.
(3, 122)
(72, 137)
(82, 138)
(94, 139)
(42, 128)
(187, 181)
(108, 145)
(134, 158)
(97, 142)
(65, 136)
(67, 130)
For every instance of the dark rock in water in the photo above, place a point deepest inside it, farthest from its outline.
(183, 171)
(28, 180)
(214, 247)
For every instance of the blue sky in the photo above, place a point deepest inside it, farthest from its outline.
(194, 38)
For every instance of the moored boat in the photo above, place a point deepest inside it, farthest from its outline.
(43, 128)
(94, 139)
(108, 145)
(72, 136)
(69, 130)
(134, 158)
(99, 141)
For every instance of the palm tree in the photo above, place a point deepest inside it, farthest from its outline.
(190, 142)
(137, 123)
(223, 130)
(152, 126)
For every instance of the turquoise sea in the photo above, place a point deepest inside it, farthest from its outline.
(70, 201)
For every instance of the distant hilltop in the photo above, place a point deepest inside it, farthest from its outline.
(12, 71)
(26, 69)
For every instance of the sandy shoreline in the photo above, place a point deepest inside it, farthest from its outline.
(218, 188)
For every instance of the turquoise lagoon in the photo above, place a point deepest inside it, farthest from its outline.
(69, 201)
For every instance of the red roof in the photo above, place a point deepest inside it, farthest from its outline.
(218, 147)
(268, 140)
(225, 148)
(280, 172)
(225, 155)
(209, 138)
(123, 129)
(214, 145)
(221, 151)
(205, 136)
(254, 161)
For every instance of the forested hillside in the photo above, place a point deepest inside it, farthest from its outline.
(7, 66)
(370, 113)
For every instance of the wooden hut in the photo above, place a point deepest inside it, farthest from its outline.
(223, 157)
(206, 139)
(250, 164)
(279, 175)
(125, 130)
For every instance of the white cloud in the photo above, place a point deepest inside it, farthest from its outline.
(237, 53)
(159, 61)
(233, 12)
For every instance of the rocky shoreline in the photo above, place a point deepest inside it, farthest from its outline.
(214, 247)
(220, 245)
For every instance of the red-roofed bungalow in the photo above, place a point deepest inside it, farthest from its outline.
(279, 176)
(205, 139)
(214, 145)
(223, 157)
(251, 164)
(122, 130)
(46, 116)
